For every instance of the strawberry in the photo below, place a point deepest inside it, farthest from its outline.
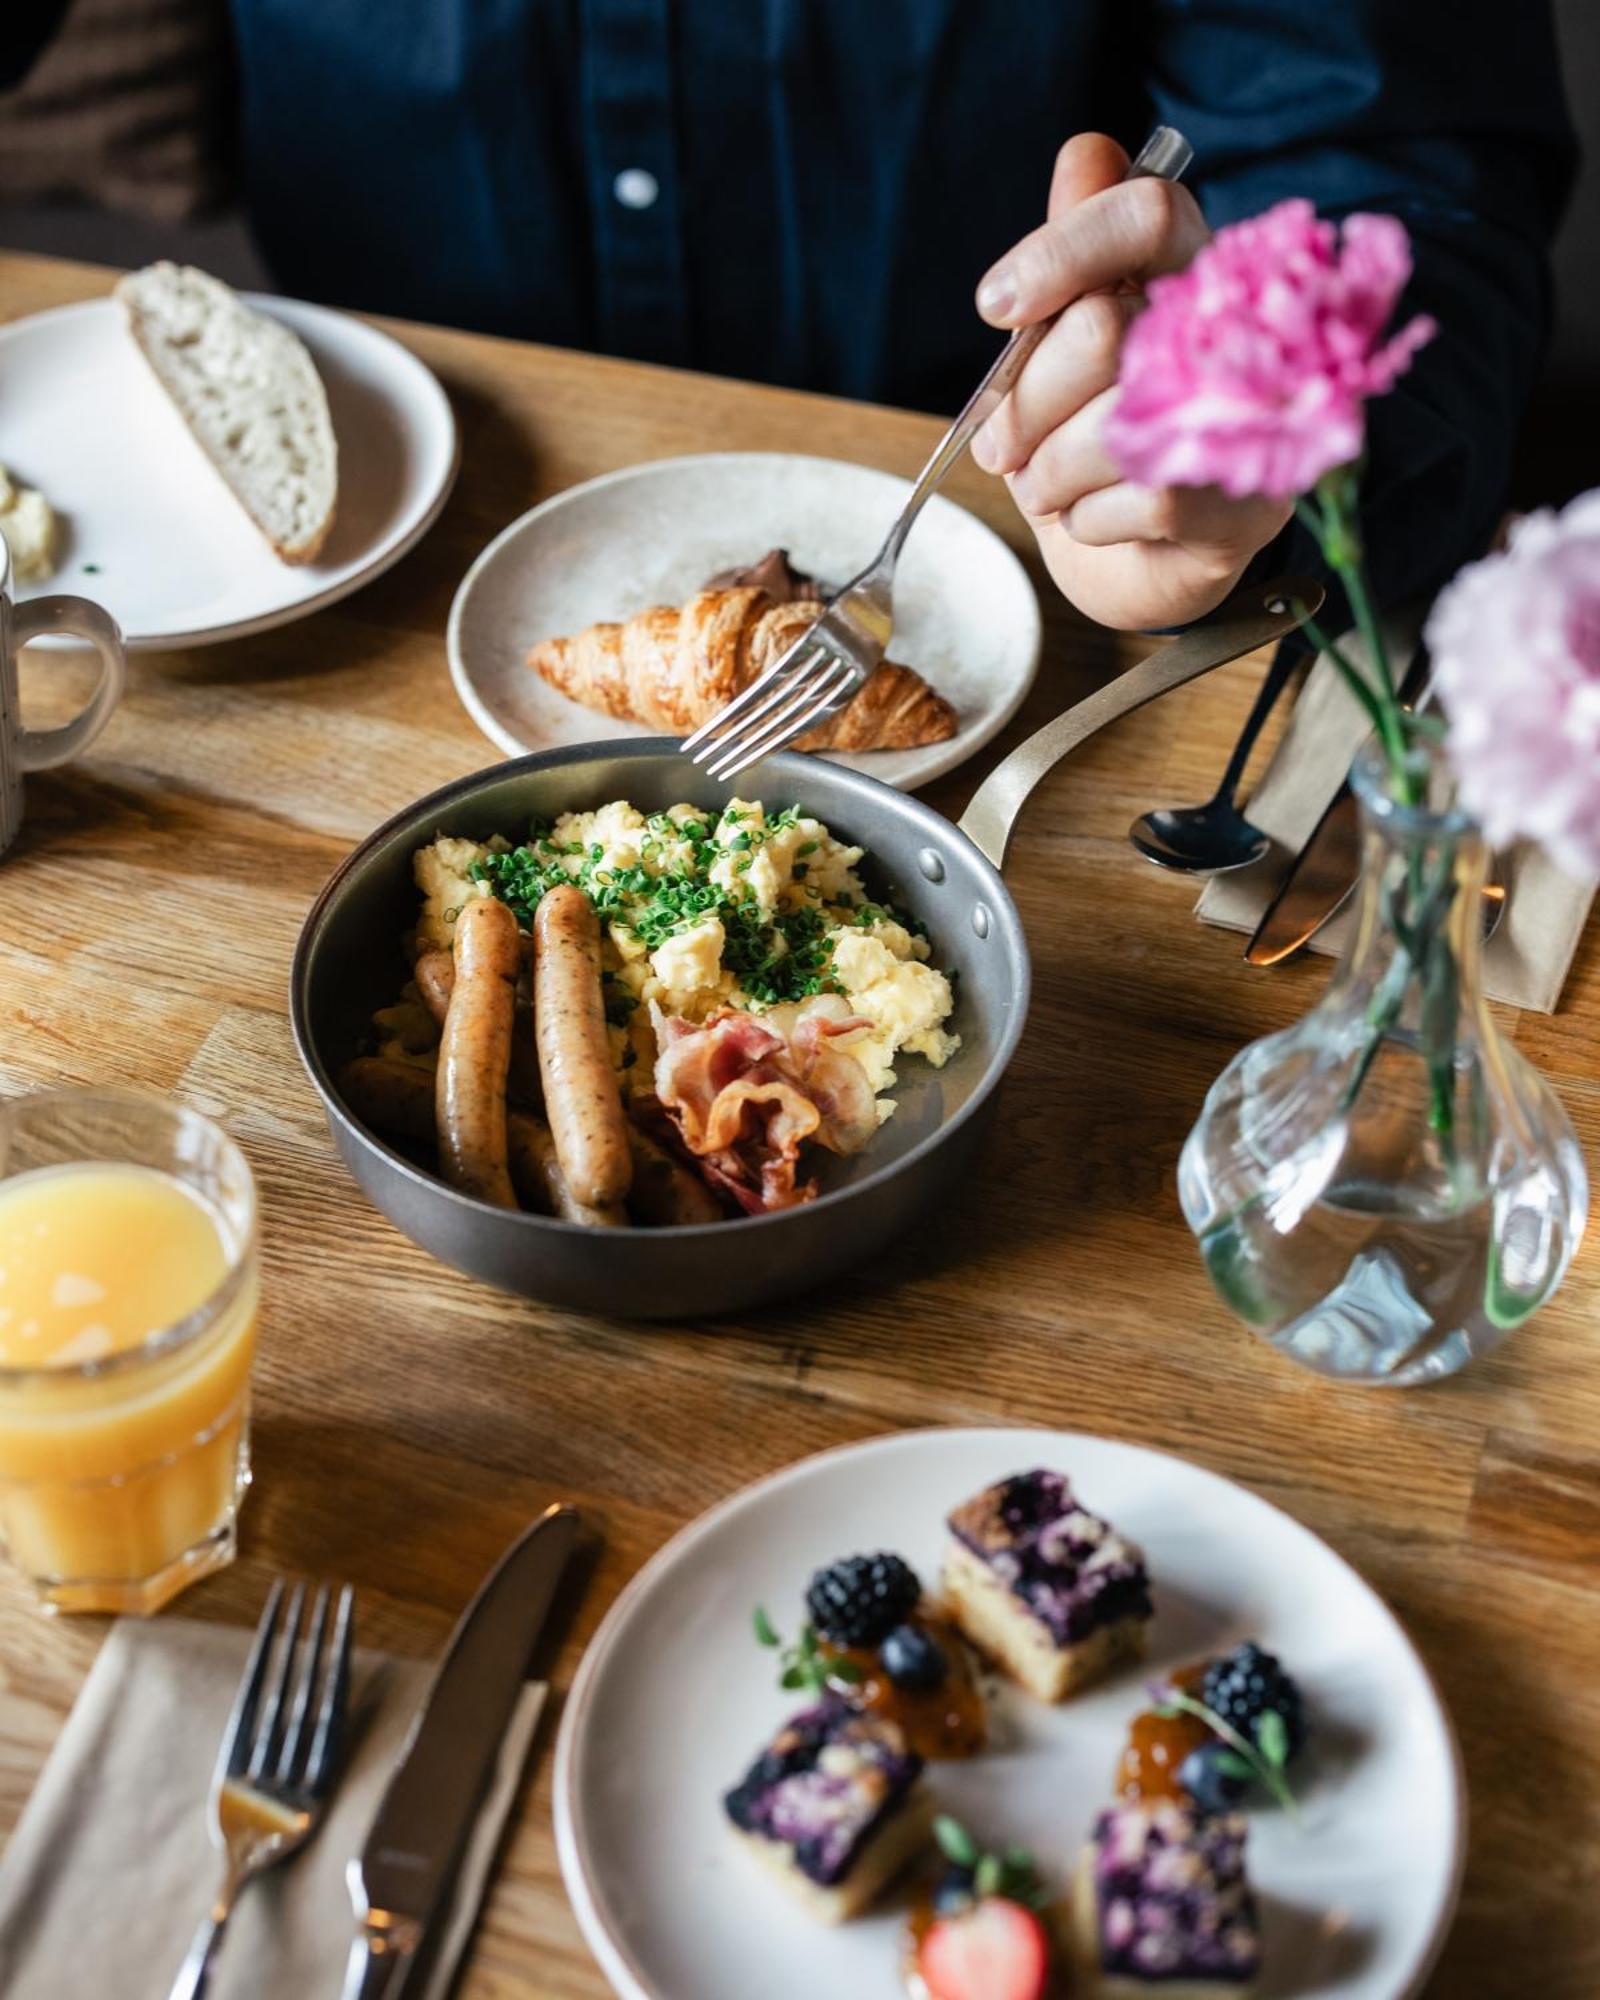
(997, 1950)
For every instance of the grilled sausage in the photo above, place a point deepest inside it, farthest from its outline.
(435, 975)
(475, 1054)
(390, 1096)
(397, 1098)
(582, 1100)
(537, 1175)
(665, 1193)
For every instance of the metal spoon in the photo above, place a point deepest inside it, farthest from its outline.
(1210, 839)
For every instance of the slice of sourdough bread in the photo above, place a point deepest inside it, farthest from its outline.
(250, 394)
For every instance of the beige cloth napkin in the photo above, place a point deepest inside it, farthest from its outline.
(111, 1865)
(1528, 958)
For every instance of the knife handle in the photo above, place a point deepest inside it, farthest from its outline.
(380, 1958)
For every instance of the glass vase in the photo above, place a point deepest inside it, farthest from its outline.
(1387, 1189)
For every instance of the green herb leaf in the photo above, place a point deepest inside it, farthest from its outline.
(955, 1843)
(1272, 1738)
(793, 1677)
(844, 1670)
(765, 1635)
(1232, 1765)
(990, 1875)
(1260, 1767)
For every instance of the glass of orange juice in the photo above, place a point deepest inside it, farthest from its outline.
(129, 1283)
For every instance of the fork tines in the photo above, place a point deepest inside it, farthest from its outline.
(284, 1733)
(803, 685)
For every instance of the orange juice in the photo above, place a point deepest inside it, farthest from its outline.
(127, 1329)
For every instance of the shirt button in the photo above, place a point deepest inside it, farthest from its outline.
(636, 187)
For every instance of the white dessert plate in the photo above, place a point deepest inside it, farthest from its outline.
(151, 532)
(674, 1698)
(965, 614)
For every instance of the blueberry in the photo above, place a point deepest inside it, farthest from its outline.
(1207, 1775)
(954, 1891)
(912, 1659)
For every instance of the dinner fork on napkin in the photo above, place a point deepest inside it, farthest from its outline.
(279, 1758)
(97, 1884)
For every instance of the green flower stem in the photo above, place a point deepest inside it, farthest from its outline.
(1354, 678)
(1331, 517)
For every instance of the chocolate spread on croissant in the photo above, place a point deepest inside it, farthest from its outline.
(774, 574)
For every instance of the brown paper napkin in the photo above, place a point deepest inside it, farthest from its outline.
(1528, 958)
(111, 1865)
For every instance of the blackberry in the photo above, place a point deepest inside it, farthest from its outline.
(913, 1658)
(1248, 1683)
(859, 1602)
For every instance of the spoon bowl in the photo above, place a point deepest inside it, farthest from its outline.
(1216, 837)
(1199, 840)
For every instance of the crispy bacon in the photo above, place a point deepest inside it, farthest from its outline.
(744, 1099)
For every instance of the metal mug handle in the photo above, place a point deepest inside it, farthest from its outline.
(1250, 618)
(44, 749)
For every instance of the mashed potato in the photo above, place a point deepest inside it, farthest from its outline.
(703, 910)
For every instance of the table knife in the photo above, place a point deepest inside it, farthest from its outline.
(400, 1879)
(1323, 873)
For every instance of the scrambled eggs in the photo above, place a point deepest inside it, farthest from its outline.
(703, 910)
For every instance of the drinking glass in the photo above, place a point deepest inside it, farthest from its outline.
(124, 1457)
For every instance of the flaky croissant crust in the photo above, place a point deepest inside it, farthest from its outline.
(673, 668)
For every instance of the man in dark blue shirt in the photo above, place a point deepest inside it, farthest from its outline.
(808, 192)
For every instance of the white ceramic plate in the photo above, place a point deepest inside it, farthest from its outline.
(965, 613)
(674, 1698)
(151, 531)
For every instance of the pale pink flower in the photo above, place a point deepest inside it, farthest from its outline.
(1516, 662)
(1251, 369)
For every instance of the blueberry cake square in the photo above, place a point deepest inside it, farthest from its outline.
(1163, 1907)
(1050, 1592)
(833, 1807)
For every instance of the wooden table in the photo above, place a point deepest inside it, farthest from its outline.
(409, 1420)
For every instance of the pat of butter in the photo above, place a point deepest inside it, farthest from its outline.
(28, 523)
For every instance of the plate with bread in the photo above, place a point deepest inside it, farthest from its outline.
(640, 602)
(209, 464)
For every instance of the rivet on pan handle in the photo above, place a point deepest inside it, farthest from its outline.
(1252, 617)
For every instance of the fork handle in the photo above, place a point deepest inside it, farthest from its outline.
(194, 1975)
(1165, 156)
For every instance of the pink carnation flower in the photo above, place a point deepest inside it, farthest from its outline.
(1516, 662)
(1250, 370)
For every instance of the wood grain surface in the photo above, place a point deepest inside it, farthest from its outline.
(409, 1420)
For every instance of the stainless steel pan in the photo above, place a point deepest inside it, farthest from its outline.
(349, 962)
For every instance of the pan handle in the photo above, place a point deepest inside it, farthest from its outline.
(1249, 618)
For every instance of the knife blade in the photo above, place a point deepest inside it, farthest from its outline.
(1322, 875)
(399, 1880)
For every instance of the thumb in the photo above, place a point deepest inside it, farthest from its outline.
(1085, 165)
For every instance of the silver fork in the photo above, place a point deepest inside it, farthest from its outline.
(278, 1757)
(833, 657)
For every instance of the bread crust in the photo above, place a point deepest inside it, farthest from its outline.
(143, 327)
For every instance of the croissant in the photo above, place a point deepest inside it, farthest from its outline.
(674, 668)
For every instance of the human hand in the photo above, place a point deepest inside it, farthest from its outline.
(1129, 556)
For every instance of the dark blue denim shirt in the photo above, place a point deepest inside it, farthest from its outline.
(807, 191)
